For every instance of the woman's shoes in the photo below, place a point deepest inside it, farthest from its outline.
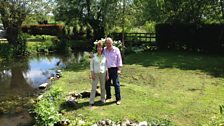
(103, 101)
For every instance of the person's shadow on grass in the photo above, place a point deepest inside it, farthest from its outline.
(66, 107)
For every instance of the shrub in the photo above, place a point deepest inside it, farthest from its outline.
(44, 29)
(62, 45)
(21, 48)
(150, 27)
(137, 30)
(46, 111)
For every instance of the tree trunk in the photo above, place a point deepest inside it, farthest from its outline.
(98, 29)
(12, 35)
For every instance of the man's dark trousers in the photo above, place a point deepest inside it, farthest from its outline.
(113, 75)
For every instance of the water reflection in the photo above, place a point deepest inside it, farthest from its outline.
(19, 78)
(24, 75)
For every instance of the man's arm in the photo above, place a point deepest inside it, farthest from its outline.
(119, 61)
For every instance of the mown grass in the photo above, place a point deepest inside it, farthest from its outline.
(183, 88)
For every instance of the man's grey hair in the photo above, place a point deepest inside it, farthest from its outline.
(109, 39)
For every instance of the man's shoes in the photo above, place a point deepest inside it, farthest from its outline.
(118, 102)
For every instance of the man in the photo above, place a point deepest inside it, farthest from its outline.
(114, 63)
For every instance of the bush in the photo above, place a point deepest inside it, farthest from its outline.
(62, 45)
(150, 27)
(137, 30)
(46, 113)
(21, 48)
(5, 50)
(206, 38)
(44, 29)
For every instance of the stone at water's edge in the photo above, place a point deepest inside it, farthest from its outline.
(58, 71)
(43, 86)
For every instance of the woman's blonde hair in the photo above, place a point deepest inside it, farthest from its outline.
(100, 43)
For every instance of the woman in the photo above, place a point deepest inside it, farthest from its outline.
(98, 73)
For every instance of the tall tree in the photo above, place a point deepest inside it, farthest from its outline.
(100, 15)
(14, 12)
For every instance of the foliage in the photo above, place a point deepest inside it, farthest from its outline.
(100, 16)
(63, 45)
(150, 27)
(191, 11)
(44, 29)
(21, 48)
(206, 38)
(46, 110)
(5, 50)
(13, 13)
(40, 44)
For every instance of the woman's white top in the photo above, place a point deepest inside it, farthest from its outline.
(98, 63)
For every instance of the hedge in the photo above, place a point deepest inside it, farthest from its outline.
(193, 37)
(44, 29)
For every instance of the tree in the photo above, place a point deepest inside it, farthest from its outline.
(100, 16)
(14, 12)
(192, 11)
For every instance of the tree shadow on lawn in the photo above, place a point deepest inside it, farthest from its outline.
(211, 64)
(80, 105)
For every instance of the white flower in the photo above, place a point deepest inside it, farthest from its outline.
(95, 42)
(103, 40)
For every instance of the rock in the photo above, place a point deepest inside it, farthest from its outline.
(31, 101)
(62, 123)
(19, 109)
(134, 124)
(81, 122)
(51, 78)
(58, 71)
(59, 74)
(108, 122)
(43, 86)
(125, 123)
(39, 97)
(103, 123)
(71, 101)
(86, 94)
(74, 94)
(144, 123)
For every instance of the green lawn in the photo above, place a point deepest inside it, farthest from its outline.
(184, 88)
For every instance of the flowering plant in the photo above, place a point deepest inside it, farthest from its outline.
(118, 44)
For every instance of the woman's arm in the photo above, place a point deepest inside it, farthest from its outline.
(91, 69)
